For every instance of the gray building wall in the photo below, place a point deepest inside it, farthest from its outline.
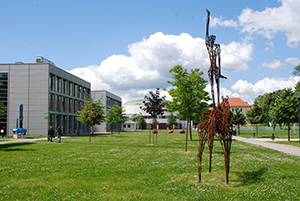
(108, 100)
(28, 84)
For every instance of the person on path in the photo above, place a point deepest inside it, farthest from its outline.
(58, 133)
(50, 134)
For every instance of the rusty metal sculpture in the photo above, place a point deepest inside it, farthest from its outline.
(218, 120)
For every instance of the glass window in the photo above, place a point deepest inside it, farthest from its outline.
(241, 110)
(84, 93)
(80, 105)
(64, 124)
(70, 106)
(64, 86)
(80, 92)
(70, 124)
(75, 90)
(64, 104)
(75, 106)
(58, 103)
(58, 121)
(51, 82)
(51, 102)
(58, 84)
(70, 88)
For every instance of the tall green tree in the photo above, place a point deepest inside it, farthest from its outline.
(115, 115)
(285, 109)
(154, 105)
(238, 118)
(92, 114)
(188, 95)
(255, 115)
(172, 119)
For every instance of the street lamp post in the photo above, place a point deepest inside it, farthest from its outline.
(298, 96)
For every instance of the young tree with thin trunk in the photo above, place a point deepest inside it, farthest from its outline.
(188, 95)
(285, 109)
(115, 115)
(154, 105)
(92, 113)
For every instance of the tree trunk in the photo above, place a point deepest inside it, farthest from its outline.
(186, 139)
(191, 138)
(256, 131)
(288, 132)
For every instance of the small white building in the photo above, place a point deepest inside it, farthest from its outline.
(133, 107)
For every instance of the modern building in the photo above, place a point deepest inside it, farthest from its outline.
(50, 97)
(108, 100)
(239, 103)
(133, 107)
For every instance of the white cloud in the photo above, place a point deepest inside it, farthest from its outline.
(274, 64)
(284, 19)
(226, 23)
(248, 91)
(293, 60)
(149, 62)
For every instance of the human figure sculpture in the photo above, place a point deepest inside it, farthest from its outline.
(218, 120)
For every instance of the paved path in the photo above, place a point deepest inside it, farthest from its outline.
(288, 149)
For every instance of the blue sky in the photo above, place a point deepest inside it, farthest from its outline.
(127, 47)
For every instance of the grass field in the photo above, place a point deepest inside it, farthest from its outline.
(126, 167)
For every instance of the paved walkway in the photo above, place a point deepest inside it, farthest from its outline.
(288, 149)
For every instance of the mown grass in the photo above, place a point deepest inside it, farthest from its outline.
(126, 167)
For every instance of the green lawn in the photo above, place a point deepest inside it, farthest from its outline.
(126, 167)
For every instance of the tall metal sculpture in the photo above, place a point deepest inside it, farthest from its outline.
(218, 120)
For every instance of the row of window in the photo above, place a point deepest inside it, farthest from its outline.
(63, 104)
(59, 85)
(68, 124)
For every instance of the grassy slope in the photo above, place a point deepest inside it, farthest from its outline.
(126, 167)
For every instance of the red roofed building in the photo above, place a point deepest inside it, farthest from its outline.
(239, 103)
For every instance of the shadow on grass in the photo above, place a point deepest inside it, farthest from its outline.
(250, 177)
(10, 146)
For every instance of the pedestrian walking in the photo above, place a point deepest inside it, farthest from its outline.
(58, 133)
(50, 134)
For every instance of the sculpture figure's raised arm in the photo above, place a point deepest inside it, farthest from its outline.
(207, 26)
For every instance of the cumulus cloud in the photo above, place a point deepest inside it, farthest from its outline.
(248, 91)
(274, 64)
(284, 19)
(222, 22)
(293, 60)
(149, 61)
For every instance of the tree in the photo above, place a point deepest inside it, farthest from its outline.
(255, 115)
(154, 105)
(134, 118)
(296, 71)
(285, 109)
(141, 121)
(188, 95)
(265, 102)
(239, 118)
(297, 86)
(92, 113)
(172, 120)
(115, 115)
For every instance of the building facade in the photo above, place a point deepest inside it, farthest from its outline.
(239, 103)
(108, 100)
(133, 107)
(50, 97)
